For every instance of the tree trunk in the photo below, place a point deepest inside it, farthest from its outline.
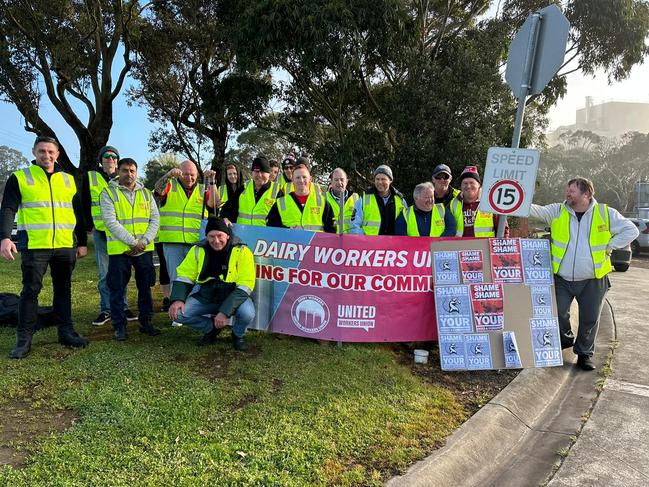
(219, 142)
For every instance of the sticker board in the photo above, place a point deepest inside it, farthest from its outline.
(514, 324)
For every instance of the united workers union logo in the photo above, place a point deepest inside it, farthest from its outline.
(310, 314)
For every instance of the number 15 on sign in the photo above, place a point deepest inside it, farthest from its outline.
(510, 176)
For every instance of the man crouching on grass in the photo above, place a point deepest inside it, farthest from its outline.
(224, 269)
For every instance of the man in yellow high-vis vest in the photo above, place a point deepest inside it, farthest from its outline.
(338, 196)
(425, 218)
(93, 185)
(131, 218)
(469, 220)
(376, 211)
(583, 234)
(50, 226)
(305, 207)
(214, 286)
(181, 211)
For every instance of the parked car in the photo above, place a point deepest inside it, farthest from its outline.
(640, 244)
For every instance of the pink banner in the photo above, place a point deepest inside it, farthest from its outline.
(342, 287)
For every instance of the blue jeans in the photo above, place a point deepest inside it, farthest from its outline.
(101, 255)
(174, 254)
(119, 273)
(199, 315)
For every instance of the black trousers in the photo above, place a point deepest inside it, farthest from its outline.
(34, 264)
(119, 273)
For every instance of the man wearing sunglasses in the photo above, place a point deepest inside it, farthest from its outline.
(444, 192)
(93, 185)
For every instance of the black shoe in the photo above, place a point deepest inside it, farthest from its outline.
(102, 319)
(567, 343)
(120, 334)
(22, 349)
(165, 304)
(71, 338)
(149, 330)
(239, 344)
(130, 316)
(584, 362)
(210, 337)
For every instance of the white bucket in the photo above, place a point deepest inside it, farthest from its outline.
(421, 356)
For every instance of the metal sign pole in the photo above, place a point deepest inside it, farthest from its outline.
(522, 96)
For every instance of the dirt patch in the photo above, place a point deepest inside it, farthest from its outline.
(243, 402)
(471, 389)
(214, 365)
(22, 425)
(641, 261)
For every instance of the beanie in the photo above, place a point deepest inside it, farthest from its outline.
(470, 172)
(383, 169)
(288, 161)
(107, 148)
(261, 163)
(217, 224)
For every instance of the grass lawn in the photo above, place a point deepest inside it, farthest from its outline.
(162, 411)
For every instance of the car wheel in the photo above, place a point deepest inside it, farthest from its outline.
(635, 248)
(621, 267)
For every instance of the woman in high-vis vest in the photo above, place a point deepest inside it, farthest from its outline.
(304, 208)
(583, 233)
(50, 234)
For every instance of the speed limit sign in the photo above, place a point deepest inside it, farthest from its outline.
(509, 179)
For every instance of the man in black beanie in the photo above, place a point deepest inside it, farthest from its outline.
(224, 269)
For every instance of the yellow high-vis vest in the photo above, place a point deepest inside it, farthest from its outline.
(372, 215)
(348, 208)
(437, 224)
(483, 225)
(600, 236)
(253, 212)
(97, 185)
(180, 216)
(45, 210)
(310, 218)
(223, 195)
(135, 219)
(241, 268)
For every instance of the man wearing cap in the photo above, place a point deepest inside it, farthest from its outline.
(471, 222)
(304, 208)
(444, 192)
(288, 164)
(376, 212)
(50, 226)
(583, 235)
(182, 209)
(251, 203)
(92, 188)
(132, 220)
(425, 218)
(338, 196)
(224, 270)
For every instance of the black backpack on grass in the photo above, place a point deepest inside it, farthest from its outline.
(9, 312)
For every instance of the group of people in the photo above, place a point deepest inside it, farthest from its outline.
(210, 281)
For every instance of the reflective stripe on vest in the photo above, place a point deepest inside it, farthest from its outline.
(45, 211)
(483, 225)
(599, 237)
(437, 225)
(181, 217)
(135, 218)
(310, 218)
(223, 195)
(372, 216)
(96, 186)
(253, 212)
(240, 271)
(456, 211)
(348, 209)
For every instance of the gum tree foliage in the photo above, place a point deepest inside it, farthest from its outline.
(257, 141)
(190, 80)
(414, 83)
(614, 166)
(157, 167)
(76, 54)
(10, 161)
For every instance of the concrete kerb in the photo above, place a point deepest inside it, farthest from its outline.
(482, 447)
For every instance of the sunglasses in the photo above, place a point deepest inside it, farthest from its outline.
(442, 176)
(110, 156)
